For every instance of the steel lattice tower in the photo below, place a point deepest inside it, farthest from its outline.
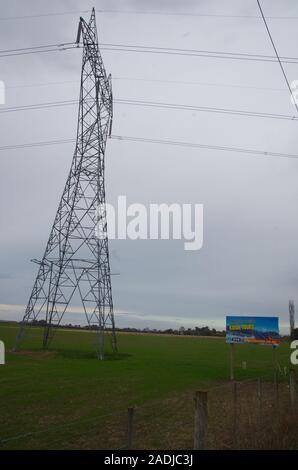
(76, 259)
(292, 317)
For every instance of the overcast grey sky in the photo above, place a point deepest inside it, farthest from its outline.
(249, 261)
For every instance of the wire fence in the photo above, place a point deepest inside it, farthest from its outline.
(251, 414)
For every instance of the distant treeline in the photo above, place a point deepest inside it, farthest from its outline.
(196, 331)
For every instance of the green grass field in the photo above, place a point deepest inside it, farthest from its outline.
(49, 394)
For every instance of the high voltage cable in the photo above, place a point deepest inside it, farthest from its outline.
(154, 50)
(155, 104)
(37, 144)
(161, 142)
(178, 82)
(204, 146)
(205, 109)
(195, 53)
(197, 50)
(212, 15)
(139, 12)
(32, 107)
(38, 52)
(41, 15)
(277, 55)
(38, 49)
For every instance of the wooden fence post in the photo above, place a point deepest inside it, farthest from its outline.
(201, 420)
(293, 389)
(276, 386)
(235, 417)
(260, 401)
(130, 415)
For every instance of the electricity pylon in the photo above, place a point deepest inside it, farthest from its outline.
(76, 260)
(292, 317)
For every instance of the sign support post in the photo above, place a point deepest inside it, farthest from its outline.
(232, 361)
(275, 371)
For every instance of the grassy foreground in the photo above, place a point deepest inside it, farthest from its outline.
(41, 393)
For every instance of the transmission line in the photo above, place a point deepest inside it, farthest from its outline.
(153, 80)
(238, 55)
(24, 17)
(211, 15)
(277, 56)
(32, 107)
(154, 50)
(38, 49)
(205, 146)
(36, 144)
(155, 104)
(139, 12)
(206, 109)
(247, 151)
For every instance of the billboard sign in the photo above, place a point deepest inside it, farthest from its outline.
(252, 330)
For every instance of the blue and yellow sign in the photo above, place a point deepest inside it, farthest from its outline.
(256, 330)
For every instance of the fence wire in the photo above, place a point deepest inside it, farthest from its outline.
(251, 414)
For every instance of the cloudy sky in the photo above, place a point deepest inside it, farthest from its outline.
(249, 261)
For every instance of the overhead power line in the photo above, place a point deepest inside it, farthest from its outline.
(195, 53)
(242, 54)
(36, 144)
(207, 109)
(276, 53)
(38, 49)
(247, 151)
(204, 146)
(41, 15)
(154, 104)
(37, 106)
(139, 12)
(156, 80)
(211, 15)
(153, 50)
(38, 52)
